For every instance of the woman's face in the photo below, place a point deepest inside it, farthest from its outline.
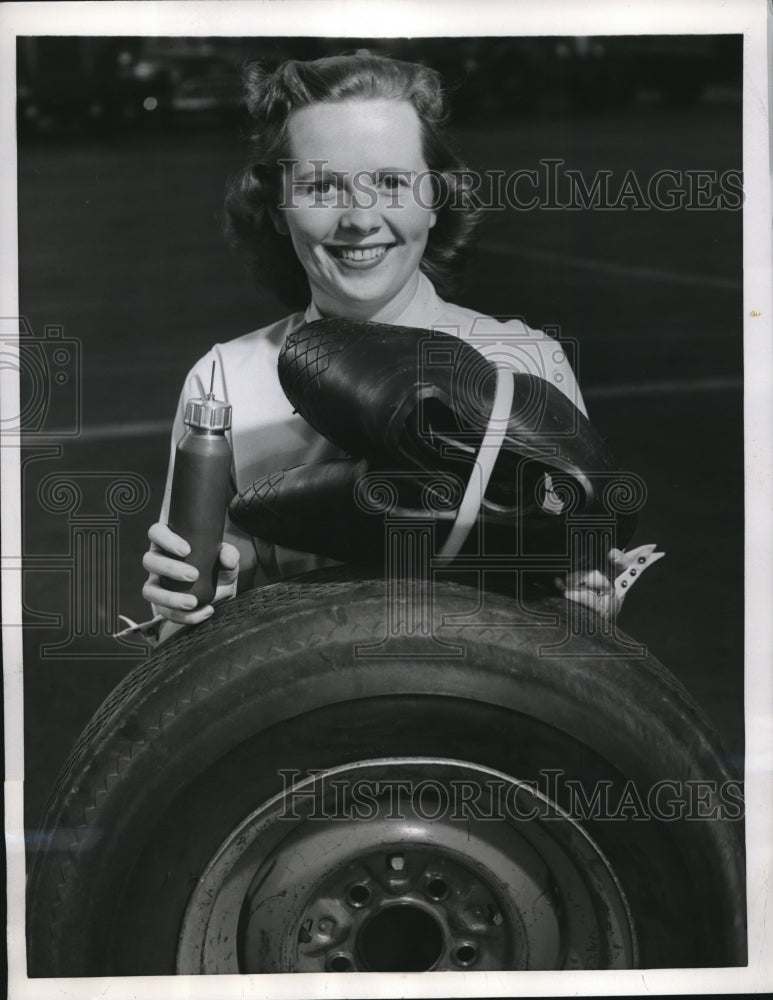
(356, 202)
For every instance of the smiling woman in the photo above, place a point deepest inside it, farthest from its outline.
(280, 102)
(357, 200)
(352, 201)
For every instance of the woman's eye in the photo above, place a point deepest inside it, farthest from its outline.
(320, 189)
(393, 182)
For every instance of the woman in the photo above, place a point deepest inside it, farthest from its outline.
(354, 200)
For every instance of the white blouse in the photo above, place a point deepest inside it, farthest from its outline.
(267, 436)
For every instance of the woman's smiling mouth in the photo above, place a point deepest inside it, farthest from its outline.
(361, 255)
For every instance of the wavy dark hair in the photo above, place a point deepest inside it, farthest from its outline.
(253, 194)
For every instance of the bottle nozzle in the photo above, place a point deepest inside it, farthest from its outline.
(208, 413)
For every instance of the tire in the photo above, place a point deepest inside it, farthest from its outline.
(175, 786)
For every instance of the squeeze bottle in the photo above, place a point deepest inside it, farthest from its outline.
(201, 489)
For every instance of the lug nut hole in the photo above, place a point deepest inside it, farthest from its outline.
(437, 888)
(340, 963)
(359, 894)
(466, 954)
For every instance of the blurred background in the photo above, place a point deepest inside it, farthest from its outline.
(100, 85)
(124, 149)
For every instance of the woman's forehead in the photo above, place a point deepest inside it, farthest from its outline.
(357, 134)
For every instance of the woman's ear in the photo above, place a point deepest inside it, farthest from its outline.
(442, 184)
(280, 223)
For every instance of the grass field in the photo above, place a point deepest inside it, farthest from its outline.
(120, 243)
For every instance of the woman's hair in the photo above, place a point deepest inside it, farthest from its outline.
(254, 193)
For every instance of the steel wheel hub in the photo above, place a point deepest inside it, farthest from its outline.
(406, 864)
(408, 909)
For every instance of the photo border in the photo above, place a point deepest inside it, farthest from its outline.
(397, 18)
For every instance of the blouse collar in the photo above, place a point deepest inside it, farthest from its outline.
(421, 311)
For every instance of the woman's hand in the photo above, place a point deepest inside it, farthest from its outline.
(159, 561)
(597, 591)
(593, 589)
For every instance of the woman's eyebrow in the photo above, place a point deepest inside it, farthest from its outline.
(319, 172)
(310, 174)
(405, 171)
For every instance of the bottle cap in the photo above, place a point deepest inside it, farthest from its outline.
(208, 414)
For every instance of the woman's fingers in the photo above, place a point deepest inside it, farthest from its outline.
(619, 560)
(179, 608)
(593, 581)
(229, 572)
(163, 565)
(229, 556)
(606, 605)
(224, 592)
(162, 536)
(596, 590)
(190, 617)
(592, 589)
(153, 591)
(159, 561)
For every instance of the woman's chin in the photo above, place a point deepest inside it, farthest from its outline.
(362, 293)
(356, 298)
(352, 308)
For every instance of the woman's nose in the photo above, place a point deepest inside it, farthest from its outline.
(361, 215)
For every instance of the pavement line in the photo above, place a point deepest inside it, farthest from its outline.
(666, 387)
(155, 428)
(110, 432)
(608, 267)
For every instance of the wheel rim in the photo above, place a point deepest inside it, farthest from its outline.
(407, 864)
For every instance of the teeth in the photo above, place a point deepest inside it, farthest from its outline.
(360, 253)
